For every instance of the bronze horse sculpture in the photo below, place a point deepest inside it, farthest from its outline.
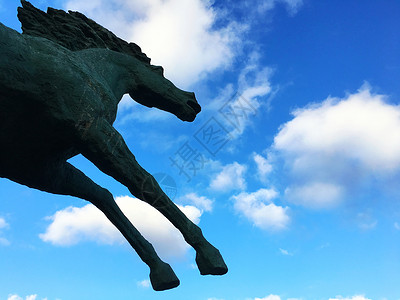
(60, 85)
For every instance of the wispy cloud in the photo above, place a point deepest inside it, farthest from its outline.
(323, 246)
(144, 283)
(366, 221)
(264, 166)
(3, 225)
(396, 225)
(315, 194)
(356, 297)
(285, 252)
(73, 225)
(29, 297)
(4, 242)
(240, 101)
(200, 202)
(293, 6)
(277, 297)
(257, 8)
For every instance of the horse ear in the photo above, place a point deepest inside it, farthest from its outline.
(158, 69)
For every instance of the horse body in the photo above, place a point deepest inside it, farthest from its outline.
(40, 98)
(56, 103)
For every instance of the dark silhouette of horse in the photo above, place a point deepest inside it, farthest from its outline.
(60, 85)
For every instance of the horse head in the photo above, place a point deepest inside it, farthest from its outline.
(152, 89)
(148, 86)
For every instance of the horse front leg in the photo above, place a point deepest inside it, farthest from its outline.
(63, 178)
(105, 147)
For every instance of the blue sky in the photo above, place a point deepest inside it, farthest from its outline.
(299, 191)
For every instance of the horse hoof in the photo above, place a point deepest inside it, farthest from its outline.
(209, 261)
(162, 277)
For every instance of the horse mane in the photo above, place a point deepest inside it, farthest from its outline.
(73, 31)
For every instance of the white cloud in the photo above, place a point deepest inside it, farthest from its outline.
(292, 6)
(365, 221)
(239, 102)
(4, 242)
(368, 226)
(276, 297)
(396, 225)
(144, 283)
(356, 297)
(332, 146)
(254, 79)
(200, 202)
(270, 297)
(264, 167)
(180, 35)
(361, 127)
(73, 225)
(17, 297)
(230, 178)
(4, 225)
(14, 297)
(285, 252)
(315, 194)
(323, 246)
(253, 86)
(261, 211)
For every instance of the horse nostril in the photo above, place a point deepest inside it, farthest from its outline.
(193, 104)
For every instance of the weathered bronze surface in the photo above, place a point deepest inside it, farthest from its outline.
(60, 85)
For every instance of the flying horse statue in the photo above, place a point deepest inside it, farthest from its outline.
(60, 85)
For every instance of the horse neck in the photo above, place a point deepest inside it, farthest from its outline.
(112, 67)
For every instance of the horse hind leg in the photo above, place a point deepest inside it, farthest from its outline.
(105, 147)
(65, 179)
